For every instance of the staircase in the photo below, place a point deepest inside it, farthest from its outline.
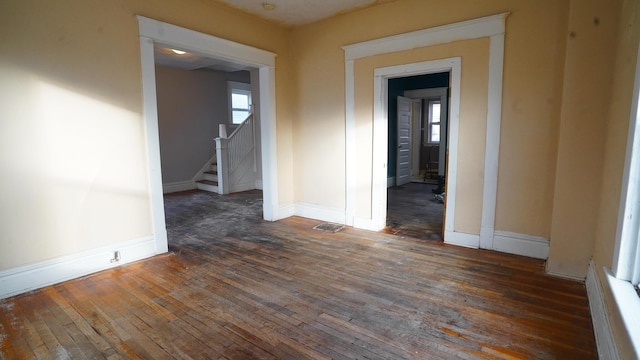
(233, 169)
(209, 181)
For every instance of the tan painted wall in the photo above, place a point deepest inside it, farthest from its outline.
(72, 144)
(614, 156)
(534, 60)
(587, 82)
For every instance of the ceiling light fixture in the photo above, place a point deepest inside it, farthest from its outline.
(268, 6)
(179, 52)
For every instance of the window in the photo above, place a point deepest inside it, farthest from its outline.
(433, 127)
(239, 101)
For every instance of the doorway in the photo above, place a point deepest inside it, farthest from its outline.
(152, 32)
(193, 96)
(417, 135)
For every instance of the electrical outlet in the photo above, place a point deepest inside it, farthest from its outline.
(116, 256)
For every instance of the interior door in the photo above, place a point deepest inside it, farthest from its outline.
(403, 163)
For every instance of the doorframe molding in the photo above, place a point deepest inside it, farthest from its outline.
(492, 27)
(381, 124)
(154, 31)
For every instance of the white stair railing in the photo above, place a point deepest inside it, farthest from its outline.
(232, 150)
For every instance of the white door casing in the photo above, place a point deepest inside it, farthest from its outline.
(403, 151)
(492, 27)
(415, 137)
(153, 31)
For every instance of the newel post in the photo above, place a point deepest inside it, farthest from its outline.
(222, 157)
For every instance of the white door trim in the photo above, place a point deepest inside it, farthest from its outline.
(490, 26)
(381, 121)
(153, 31)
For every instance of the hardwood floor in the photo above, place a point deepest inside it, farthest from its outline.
(249, 289)
(412, 211)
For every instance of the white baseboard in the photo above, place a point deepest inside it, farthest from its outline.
(600, 318)
(462, 239)
(521, 244)
(285, 212)
(367, 224)
(30, 277)
(178, 186)
(562, 275)
(391, 181)
(243, 187)
(322, 213)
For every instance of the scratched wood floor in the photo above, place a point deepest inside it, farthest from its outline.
(256, 290)
(412, 211)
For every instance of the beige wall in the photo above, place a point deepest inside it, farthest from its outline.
(589, 62)
(619, 113)
(72, 142)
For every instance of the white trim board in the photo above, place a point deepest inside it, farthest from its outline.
(600, 318)
(286, 211)
(153, 31)
(30, 277)
(323, 213)
(521, 244)
(463, 30)
(490, 26)
(627, 301)
(380, 126)
(178, 186)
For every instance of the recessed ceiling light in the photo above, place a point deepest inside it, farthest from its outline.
(179, 52)
(268, 6)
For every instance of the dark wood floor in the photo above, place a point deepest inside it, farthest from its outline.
(249, 289)
(413, 211)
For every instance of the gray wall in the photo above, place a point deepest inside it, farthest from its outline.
(191, 105)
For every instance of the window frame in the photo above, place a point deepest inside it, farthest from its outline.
(234, 87)
(625, 272)
(430, 121)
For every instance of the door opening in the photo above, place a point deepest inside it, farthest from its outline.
(152, 32)
(418, 124)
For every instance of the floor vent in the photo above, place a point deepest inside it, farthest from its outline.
(329, 227)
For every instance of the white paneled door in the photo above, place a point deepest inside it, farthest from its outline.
(403, 165)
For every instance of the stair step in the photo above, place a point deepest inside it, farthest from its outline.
(209, 182)
(207, 185)
(211, 175)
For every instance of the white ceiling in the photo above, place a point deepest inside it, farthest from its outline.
(299, 12)
(287, 12)
(190, 61)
